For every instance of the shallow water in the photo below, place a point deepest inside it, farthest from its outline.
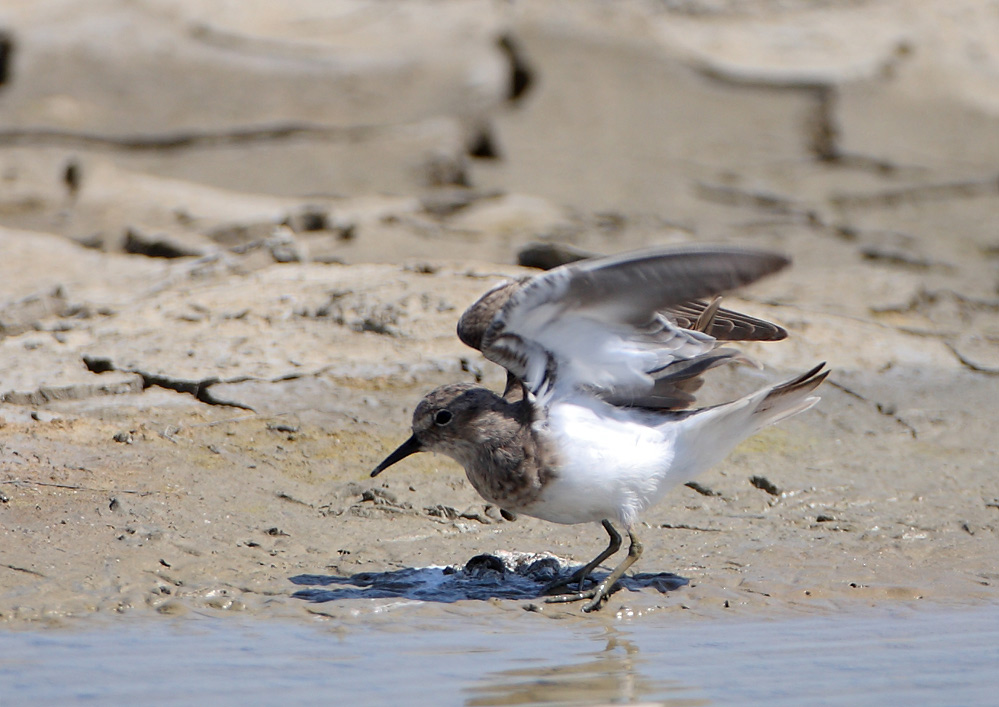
(877, 657)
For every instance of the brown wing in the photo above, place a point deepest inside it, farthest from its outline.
(674, 386)
(477, 318)
(725, 325)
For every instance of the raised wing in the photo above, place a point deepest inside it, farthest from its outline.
(724, 325)
(611, 325)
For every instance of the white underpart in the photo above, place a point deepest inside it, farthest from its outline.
(617, 462)
(614, 464)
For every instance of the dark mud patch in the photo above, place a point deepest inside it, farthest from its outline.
(483, 577)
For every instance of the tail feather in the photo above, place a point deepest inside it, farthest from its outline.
(709, 434)
(789, 398)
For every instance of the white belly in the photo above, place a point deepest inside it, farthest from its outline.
(612, 467)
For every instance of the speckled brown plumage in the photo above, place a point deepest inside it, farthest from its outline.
(506, 460)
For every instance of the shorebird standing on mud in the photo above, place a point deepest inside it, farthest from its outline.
(603, 357)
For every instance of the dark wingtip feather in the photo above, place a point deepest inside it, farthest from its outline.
(724, 324)
(808, 381)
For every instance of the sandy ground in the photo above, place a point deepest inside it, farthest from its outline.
(234, 250)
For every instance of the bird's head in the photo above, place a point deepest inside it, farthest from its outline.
(449, 420)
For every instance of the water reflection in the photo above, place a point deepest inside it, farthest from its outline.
(437, 656)
(614, 674)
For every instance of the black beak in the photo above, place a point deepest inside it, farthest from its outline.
(410, 446)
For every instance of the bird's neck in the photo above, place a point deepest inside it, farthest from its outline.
(501, 432)
(507, 464)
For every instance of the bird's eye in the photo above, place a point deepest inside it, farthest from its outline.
(442, 417)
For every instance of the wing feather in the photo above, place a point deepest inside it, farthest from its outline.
(624, 327)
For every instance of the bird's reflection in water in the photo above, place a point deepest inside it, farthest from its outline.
(611, 675)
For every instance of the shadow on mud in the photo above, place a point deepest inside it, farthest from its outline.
(499, 576)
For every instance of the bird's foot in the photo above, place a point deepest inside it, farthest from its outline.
(596, 596)
(564, 583)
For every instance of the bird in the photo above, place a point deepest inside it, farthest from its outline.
(596, 422)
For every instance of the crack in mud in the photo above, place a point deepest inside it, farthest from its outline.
(21, 569)
(881, 408)
(199, 389)
(193, 139)
(963, 189)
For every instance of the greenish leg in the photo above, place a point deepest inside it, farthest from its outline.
(603, 590)
(582, 573)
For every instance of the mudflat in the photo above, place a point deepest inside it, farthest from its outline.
(234, 251)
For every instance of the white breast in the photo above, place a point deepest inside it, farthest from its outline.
(615, 463)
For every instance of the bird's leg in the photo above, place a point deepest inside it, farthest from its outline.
(606, 587)
(582, 573)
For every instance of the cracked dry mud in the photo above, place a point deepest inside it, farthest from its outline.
(209, 335)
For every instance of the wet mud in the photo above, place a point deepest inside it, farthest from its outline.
(217, 315)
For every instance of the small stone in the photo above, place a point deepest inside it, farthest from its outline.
(764, 484)
(123, 437)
